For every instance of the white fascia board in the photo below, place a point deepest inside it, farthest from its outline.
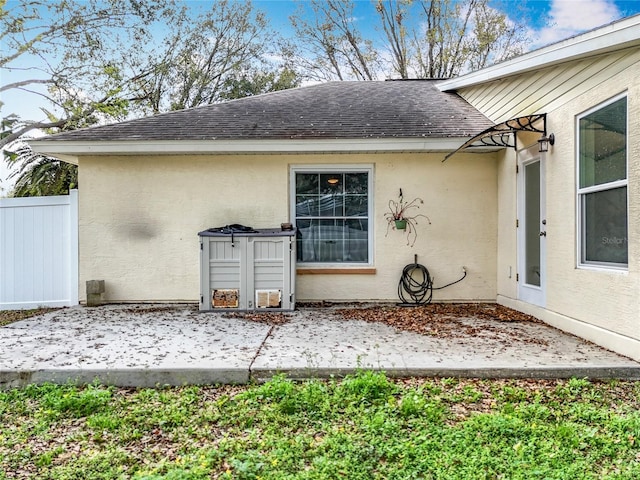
(612, 37)
(64, 157)
(71, 150)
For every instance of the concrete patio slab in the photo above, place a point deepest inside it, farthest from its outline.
(129, 346)
(149, 345)
(322, 345)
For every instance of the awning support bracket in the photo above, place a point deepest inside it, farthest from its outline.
(503, 134)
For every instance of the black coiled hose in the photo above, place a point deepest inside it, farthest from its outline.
(412, 290)
(416, 285)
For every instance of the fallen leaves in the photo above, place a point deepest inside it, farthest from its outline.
(439, 312)
(144, 309)
(11, 316)
(446, 320)
(268, 318)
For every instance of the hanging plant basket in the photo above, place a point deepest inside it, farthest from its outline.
(401, 217)
(401, 224)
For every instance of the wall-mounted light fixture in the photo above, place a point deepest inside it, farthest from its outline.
(545, 141)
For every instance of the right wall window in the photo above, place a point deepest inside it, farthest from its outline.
(602, 185)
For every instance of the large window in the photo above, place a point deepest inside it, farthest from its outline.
(602, 185)
(332, 214)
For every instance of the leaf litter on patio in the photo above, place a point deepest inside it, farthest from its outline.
(449, 320)
(11, 316)
(269, 318)
(441, 320)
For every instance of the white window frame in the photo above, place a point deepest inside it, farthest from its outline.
(581, 193)
(336, 168)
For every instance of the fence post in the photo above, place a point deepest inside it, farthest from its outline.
(74, 281)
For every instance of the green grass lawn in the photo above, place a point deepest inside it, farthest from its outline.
(365, 426)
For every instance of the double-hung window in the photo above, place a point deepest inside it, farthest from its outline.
(332, 212)
(602, 185)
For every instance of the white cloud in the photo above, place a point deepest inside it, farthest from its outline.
(570, 17)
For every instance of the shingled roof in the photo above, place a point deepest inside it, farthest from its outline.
(334, 110)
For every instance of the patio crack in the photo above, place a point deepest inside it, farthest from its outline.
(259, 350)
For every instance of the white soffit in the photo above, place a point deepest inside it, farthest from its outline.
(71, 150)
(619, 35)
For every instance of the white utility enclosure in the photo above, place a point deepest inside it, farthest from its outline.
(248, 270)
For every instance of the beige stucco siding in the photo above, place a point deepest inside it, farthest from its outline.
(601, 298)
(139, 218)
(605, 298)
(507, 265)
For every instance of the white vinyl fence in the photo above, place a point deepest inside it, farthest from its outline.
(39, 252)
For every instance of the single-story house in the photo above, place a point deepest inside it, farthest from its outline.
(551, 227)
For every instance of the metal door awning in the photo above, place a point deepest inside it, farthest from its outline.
(503, 134)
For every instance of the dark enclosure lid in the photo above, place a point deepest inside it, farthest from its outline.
(236, 230)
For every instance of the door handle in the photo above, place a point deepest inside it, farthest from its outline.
(543, 234)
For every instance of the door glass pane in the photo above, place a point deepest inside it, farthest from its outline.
(605, 226)
(532, 223)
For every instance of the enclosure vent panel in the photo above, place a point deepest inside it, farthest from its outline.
(268, 275)
(222, 250)
(267, 250)
(224, 275)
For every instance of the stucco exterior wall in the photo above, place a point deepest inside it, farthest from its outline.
(596, 303)
(601, 297)
(139, 218)
(507, 265)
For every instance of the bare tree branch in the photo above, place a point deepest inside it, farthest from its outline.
(333, 47)
(392, 15)
(24, 83)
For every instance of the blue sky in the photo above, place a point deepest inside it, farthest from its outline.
(566, 17)
(550, 21)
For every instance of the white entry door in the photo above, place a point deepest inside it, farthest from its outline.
(532, 227)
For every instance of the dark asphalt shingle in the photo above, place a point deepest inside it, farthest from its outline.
(334, 110)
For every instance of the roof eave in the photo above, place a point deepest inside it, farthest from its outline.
(615, 36)
(70, 151)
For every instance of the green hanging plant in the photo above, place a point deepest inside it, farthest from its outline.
(401, 216)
